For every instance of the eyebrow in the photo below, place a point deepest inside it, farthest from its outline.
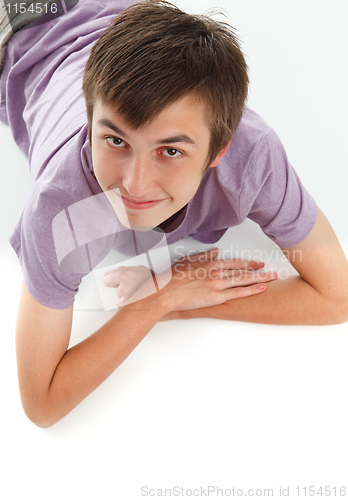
(105, 122)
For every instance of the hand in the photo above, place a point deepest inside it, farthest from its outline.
(201, 281)
(127, 280)
(197, 281)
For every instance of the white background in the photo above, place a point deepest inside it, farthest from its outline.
(208, 402)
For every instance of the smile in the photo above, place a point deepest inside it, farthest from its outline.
(142, 205)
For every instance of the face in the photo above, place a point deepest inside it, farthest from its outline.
(151, 173)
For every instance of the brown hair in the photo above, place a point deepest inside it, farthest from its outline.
(153, 54)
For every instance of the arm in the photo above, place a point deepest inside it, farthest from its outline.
(54, 379)
(318, 296)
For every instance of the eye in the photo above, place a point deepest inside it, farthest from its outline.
(115, 141)
(172, 152)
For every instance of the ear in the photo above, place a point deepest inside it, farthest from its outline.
(220, 155)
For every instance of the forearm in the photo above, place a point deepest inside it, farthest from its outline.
(285, 302)
(85, 366)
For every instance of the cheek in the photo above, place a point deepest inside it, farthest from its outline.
(100, 166)
(182, 188)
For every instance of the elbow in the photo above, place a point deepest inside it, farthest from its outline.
(339, 319)
(39, 415)
(39, 420)
(338, 311)
(41, 423)
(343, 317)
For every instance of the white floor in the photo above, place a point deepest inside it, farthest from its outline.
(199, 403)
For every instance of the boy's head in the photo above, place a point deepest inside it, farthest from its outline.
(154, 54)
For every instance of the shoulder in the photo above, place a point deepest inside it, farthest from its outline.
(249, 153)
(58, 185)
(251, 126)
(252, 129)
(252, 135)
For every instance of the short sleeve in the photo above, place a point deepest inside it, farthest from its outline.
(33, 243)
(42, 101)
(273, 195)
(59, 241)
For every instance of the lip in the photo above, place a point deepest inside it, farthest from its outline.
(143, 205)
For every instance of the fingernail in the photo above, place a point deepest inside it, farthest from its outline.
(272, 275)
(262, 286)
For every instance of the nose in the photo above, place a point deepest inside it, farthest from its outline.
(139, 178)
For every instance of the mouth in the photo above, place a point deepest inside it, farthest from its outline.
(139, 205)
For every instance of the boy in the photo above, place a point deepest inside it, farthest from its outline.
(170, 140)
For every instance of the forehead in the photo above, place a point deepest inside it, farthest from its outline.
(186, 114)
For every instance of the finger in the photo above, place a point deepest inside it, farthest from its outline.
(114, 270)
(235, 264)
(255, 264)
(110, 271)
(120, 302)
(126, 289)
(252, 278)
(249, 276)
(252, 265)
(243, 291)
(112, 280)
(231, 279)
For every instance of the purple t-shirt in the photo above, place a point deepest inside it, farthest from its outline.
(42, 102)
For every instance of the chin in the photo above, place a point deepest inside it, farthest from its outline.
(141, 223)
